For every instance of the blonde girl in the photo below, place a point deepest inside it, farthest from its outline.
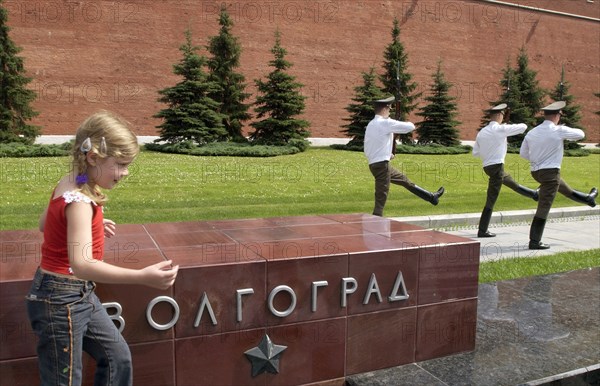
(63, 309)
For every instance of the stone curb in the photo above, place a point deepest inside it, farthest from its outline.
(507, 217)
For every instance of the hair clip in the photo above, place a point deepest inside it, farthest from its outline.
(81, 179)
(103, 149)
(86, 145)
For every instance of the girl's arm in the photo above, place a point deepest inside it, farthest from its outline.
(42, 221)
(85, 267)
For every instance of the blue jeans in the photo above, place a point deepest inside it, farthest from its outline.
(68, 319)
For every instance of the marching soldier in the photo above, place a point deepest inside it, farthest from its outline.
(543, 147)
(491, 145)
(379, 137)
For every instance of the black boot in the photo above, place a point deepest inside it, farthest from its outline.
(534, 194)
(427, 195)
(588, 199)
(535, 234)
(484, 222)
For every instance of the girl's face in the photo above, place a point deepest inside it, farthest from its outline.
(107, 172)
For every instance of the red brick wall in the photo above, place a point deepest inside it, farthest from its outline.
(89, 55)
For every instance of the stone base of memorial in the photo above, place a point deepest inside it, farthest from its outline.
(291, 300)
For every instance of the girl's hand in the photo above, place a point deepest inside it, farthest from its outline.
(109, 228)
(160, 275)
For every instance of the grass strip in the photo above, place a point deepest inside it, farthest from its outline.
(514, 268)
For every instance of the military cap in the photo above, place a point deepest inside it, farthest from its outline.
(500, 107)
(554, 107)
(385, 101)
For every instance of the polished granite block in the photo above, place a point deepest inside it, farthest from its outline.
(185, 239)
(448, 272)
(177, 227)
(19, 372)
(127, 243)
(324, 247)
(381, 276)
(352, 217)
(315, 351)
(17, 339)
(446, 328)
(221, 283)
(218, 359)
(528, 330)
(270, 222)
(361, 285)
(379, 340)
(134, 301)
(21, 235)
(18, 251)
(385, 227)
(152, 364)
(297, 300)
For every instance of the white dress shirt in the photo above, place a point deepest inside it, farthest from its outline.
(379, 136)
(491, 144)
(543, 145)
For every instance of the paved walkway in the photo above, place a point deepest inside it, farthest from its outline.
(567, 229)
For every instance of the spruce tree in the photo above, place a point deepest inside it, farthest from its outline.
(571, 115)
(397, 80)
(531, 96)
(15, 98)
(438, 125)
(226, 50)
(522, 94)
(192, 115)
(362, 110)
(278, 103)
(511, 95)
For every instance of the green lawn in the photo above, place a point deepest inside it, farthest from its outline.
(507, 269)
(165, 187)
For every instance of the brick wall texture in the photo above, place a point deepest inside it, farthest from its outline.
(89, 55)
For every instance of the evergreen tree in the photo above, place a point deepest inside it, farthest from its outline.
(522, 94)
(226, 49)
(15, 98)
(531, 97)
(438, 125)
(192, 114)
(511, 95)
(570, 113)
(397, 80)
(363, 110)
(279, 101)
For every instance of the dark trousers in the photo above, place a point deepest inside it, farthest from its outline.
(385, 174)
(498, 177)
(550, 183)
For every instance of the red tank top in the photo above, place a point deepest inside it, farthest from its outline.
(55, 255)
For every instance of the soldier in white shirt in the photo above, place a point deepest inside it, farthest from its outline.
(543, 147)
(379, 137)
(491, 145)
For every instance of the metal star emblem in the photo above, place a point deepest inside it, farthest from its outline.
(265, 357)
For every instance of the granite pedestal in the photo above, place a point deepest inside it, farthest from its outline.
(541, 330)
(336, 295)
